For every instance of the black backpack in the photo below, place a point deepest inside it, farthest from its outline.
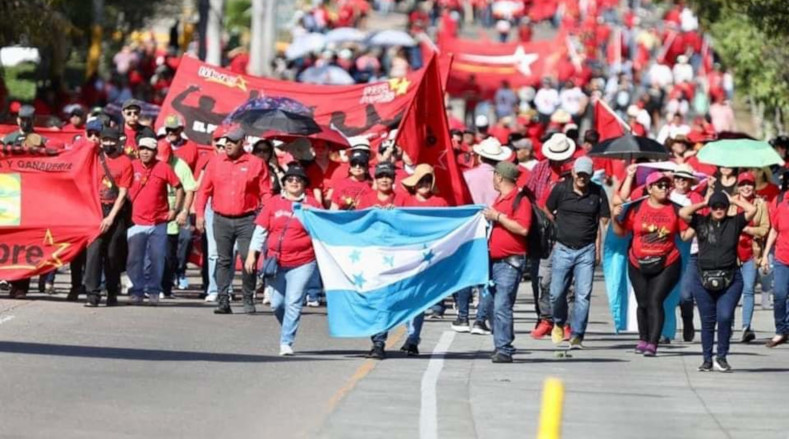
(542, 232)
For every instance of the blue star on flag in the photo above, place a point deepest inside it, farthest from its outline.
(428, 256)
(358, 280)
(389, 260)
(355, 256)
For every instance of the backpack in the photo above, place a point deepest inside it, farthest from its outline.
(542, 233)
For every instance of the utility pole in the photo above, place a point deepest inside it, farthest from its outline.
(213, 34)
(261, 50)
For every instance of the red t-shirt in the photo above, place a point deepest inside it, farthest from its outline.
(315, 175)
(433, 201)
(296, 246)
(148, 192)
(348, 192)
(504, 243)
(370, 199)
(654, 231)
(769, 192)
(130, 147)
(122, 173)
(779, 220)
(745, 244)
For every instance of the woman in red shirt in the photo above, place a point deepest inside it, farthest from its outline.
(779, 238)
(421, 186)
(384, 194)
(346, 193)
(291, 246)
(654, 264)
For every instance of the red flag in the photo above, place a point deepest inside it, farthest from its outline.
(49, 209)
(606, 122)
(424, 136)
(54, 137)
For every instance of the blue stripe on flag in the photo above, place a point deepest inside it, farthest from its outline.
(353, 314)
(385, 227)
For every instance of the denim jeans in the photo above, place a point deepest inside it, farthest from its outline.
(571, 264)
(748, 271)
(146, 243)
(781, 290)
(184, 249)
(289, 287)
(314, 287)
(504, 289)
(716, 308)
(463, 298)
(544, 278)
(766, 280)
(686, 291)
(414, 330)
(211, 254)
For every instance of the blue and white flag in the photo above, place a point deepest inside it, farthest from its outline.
(382, 267)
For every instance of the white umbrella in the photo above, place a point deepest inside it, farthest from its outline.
(305, 44)
(345, 35)
(327, 75)
(392, 38)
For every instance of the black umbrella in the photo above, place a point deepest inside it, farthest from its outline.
(258, 121)
(629, 147)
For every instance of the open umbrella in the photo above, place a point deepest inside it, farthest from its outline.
(332, 138)
(629, 147)
(280, 114)
(392, 38)
(305, 44)
(329, 75)
(739, 153)
(345, 35)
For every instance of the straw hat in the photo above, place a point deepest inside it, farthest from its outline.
(685, 171)
(558, 148)
(561, 117)
(491, 148)
(421, 170)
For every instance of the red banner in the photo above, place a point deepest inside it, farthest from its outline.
(49, 210)
(522, 64)
(204, 95)
(55, 137)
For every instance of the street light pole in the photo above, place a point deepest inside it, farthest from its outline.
(213, 33)
(263, 38)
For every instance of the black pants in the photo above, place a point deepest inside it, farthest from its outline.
(229, 232)
(170, 263)
(650, 292)
(107, 254)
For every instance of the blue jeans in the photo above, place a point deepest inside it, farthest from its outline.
(211, 255)
(463, 299)
(716, 308)
(314, 287)
(414, 329)
(287, 298)
(686, 291)
(568, 264)
(146, 243)
(504, 280)
(781, 291)
(748, 271)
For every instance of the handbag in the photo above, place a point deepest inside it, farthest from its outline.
(651, 265)
(271, 265)
(716, 280)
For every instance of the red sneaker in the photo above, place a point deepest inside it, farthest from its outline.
(543, 328)
(567, 333)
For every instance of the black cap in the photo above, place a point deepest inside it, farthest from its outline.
(719, 199)
(132, 103)
(110, 133)
(296, 170)
(26, 111)
(359, 156)
(77, 111)
(384, 169)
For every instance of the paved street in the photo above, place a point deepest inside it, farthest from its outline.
(179, 371)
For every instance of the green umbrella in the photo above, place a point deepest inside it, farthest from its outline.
(739, 153)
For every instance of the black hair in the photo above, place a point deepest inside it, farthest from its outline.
(592, 137)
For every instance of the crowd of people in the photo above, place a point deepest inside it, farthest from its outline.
(523, 157)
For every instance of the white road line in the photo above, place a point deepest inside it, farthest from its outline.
(5, 319)
(428, 415)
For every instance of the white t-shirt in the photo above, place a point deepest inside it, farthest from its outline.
(546, 100)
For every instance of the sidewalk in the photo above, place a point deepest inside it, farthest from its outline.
(610, 392)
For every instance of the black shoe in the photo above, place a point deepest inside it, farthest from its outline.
(460, 325)
(721, 365)
(499, 357)
(410, 349)
(249, 304)
(224, 306)
(747, 336)
(93, 301)
(688, 331)
(480, 328)
(377, 352)
(73, 295)
(112, 300)
(706, 366)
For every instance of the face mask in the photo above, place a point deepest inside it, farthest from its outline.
(26, 125)
(109, 149)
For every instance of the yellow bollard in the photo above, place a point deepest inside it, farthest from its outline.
(551, 410)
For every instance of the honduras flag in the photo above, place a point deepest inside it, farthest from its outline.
(383, 267)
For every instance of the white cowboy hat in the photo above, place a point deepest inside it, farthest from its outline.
(558, 148)
(359, 142)
(491, 148)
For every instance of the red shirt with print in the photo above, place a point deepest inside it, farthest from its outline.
(504, 243)
(779, 220)
(654, 231)
(122, 173)
(282, 225)
(148, 192)
(130, 147)
(433, 201)
(348, 192)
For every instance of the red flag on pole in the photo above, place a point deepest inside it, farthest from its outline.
(606, 122)
(424, 136)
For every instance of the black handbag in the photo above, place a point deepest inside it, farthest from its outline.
(716, 280)
(651, 265)
(271, 265)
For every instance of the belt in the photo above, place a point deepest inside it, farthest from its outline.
(576, 247)
(243, 215)
(516, 261)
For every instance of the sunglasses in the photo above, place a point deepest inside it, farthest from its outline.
(131, 113)
(358, 164)
(718, 207)
(662, 186)
(293, 179)
(171, 130)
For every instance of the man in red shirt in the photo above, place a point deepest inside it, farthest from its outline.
(150, 214)
(511, 218)
(236, 183)
(182, 147)
(131, 125)
(105, 254)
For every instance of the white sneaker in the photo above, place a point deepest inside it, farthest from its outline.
(211, 297)
(285, 350)
(267, 295)
(161, 295)
(313, 303)
(126, 283)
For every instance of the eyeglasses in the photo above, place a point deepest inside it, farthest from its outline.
(358, 164)
(131, 112)
(93, 134)
(293, 179)
(662, 185)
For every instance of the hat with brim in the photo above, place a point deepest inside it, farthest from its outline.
(26, 112)
(422, 170)
(685, 171)
(129, 103)
(558, 148)
(359, 143)
(296, 170)
(656, 177)
(492, 149)
(561, 116)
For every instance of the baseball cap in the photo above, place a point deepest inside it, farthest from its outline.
(481, 121)
(26, 111)
(235, 134)
(508, 170)
(719, 199)
(132, 103)
(173, 122)
(148, 143)
(384, 169)
(583, 165)
(110, 133)
(94, 125)
(746, 177)
(359, 156)
(656, 177)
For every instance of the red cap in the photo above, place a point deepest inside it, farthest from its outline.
(656, 177)
(746, 176)
(221, 131)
